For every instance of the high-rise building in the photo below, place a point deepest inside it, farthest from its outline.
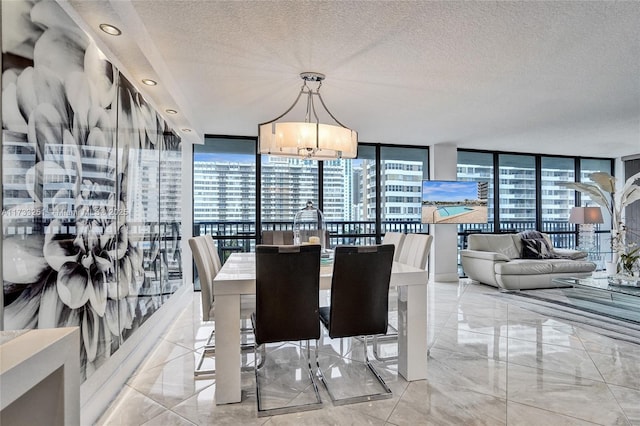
(224, 189)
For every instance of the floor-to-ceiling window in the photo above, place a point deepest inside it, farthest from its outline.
(556, 201)
(287, 184)
(516, 192)
(349, 197)
(402, 170)
(603, 231)
(237, 192)
(529, 191)
(224, 192)
(476, 167)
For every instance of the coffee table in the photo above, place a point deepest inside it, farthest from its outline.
(596, 295)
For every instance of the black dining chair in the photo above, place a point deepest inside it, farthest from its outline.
(287, 287)
(279, 238)
(359, 307)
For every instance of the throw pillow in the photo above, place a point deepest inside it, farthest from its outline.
(532, 249)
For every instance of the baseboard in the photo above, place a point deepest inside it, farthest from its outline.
(102, 387)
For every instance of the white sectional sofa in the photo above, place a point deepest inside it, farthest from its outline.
(496, 259)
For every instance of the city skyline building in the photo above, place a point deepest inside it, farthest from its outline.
(349, 190)
(224, 189)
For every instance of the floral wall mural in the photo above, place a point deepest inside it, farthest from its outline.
(91, 187)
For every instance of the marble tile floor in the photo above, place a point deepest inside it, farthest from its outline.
(492, 361)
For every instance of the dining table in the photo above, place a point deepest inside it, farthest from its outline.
(237, 277)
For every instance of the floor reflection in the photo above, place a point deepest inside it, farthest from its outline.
(494, 358)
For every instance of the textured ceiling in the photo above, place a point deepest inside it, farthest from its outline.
(548, 77)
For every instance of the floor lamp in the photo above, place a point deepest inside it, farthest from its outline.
(586, 218)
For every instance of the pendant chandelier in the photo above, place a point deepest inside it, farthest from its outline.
(309, 139)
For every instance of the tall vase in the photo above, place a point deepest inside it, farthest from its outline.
(612, 267)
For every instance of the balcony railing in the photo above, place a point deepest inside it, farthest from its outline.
(241, 236)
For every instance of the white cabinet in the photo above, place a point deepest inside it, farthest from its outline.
(40, 377)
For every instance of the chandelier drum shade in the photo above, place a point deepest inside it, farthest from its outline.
(310, 138)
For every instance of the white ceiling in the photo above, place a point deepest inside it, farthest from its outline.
(546, 77)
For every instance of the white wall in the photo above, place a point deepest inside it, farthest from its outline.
(443, 162)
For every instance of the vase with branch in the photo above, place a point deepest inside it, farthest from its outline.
(628, 261)
(603, 192)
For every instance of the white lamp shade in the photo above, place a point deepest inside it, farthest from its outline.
(296, 135)
(299, 139)
(584, 215)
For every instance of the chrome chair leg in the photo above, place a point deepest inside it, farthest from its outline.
(199, 371)
(263, 355)
(262, 412)
(320, 375)
(351, 400)
(310, 371)
(379, 340)
(208, 350)
(375, 372)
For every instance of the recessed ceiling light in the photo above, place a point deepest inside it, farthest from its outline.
(149, 82)
(110, 29)
(186, 130)
(171, 111)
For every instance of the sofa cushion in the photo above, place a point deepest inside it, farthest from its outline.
(484, 255)
(498, 243)
(524, 267)
(571, 254)
(565, 265)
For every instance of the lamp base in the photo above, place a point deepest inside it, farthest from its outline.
(586, 236)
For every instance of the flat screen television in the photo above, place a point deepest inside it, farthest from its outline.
(450, 201)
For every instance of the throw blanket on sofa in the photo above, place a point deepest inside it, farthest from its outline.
(536, 246)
